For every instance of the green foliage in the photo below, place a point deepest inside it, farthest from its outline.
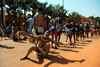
(97, 19)
(74, 16)
(91, 17)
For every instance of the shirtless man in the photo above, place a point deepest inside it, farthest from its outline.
(43, 44)
(39, 22)
(53, 27)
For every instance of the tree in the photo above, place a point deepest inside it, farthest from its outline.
(97, 19)
(1, 4)
(13, 5)
(25, 5)
(91, 17)
(74, 16)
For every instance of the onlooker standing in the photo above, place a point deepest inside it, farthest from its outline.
(8, 31)
(30, 22)
(39, 24)
(59, 21)
(53, 28)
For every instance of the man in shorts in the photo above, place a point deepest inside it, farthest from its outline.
(53, 28)
(59, 21)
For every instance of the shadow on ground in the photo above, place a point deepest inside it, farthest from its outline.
(61, 60)
(53, 52)
(4, 46)
(55, 59)
(89, 41)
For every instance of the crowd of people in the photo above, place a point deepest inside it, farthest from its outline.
(36, 28)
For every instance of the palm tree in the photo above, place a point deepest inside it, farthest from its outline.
(1, 4)
(24, 4)
(74, 16)
(13, 5)
(34, 5)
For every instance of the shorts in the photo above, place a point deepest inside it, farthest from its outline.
(38, 50)
(54, 32)
(37, 33)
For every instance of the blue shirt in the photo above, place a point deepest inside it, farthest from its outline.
(31, 21)
(68, 31)
(8, 29)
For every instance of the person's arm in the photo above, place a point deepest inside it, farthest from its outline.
(45, 23)
(26, 34)
(57, 43)
(34, 25)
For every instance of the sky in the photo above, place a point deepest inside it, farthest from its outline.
(83, 7)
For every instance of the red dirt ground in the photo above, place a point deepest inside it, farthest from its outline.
(84, 54)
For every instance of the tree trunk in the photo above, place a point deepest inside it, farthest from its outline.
(24, 14)
(1, 15)
(9, 17)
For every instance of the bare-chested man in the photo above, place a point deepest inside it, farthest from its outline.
(39, 22)
(53, 27)
(42, 46)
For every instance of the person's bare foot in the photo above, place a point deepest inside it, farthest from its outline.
(55, 48)
(52, 47)
(23, 58)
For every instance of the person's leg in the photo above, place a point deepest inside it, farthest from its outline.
(70, 38)
(46, 48)
(87, 34)
(29, 51)
(59, 34)
(66, 38)
(59, 37)
(30, 31)
(56, 40)
(52, 39)
(73, 35)
(83, 37)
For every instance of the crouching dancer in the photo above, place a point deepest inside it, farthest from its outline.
(42, 46)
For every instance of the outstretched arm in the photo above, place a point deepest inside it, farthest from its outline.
(26, 34)
(54, 42)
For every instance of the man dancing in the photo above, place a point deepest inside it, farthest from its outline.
(43, 44)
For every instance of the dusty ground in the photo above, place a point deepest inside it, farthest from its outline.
(84, 54)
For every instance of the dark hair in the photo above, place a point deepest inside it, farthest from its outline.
(32, 15)
(72, 20)
(53, 15)
(40, 9)
(59, 14)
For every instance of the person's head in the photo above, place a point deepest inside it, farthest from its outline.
(72, 20)
(68, 21)
(32, 16)
(59, 14)
(47, 33)
(53, 15)
(80, 22)
(40, 9)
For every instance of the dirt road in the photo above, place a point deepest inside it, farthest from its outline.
(84, 54)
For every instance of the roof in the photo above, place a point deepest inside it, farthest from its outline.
(86, 19)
